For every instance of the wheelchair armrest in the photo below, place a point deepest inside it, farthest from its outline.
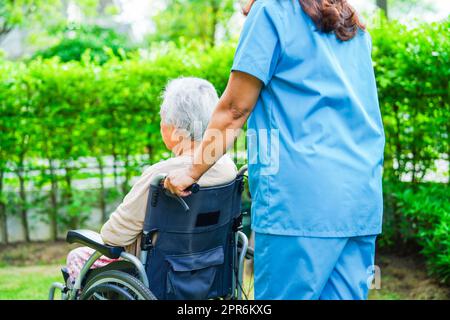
(93, 240)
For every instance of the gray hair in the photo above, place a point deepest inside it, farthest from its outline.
(188, 104)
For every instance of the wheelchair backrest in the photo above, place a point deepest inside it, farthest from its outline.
(193, 256)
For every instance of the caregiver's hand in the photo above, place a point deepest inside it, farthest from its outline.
(178, 180)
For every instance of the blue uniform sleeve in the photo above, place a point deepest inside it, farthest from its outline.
(258, 49)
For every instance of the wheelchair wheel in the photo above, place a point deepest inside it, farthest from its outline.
(115, 285)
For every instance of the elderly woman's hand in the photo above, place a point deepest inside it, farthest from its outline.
(178, 180)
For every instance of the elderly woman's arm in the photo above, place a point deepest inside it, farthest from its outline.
(230, 115)
(125, 223)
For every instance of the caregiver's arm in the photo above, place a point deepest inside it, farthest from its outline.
(230, 115)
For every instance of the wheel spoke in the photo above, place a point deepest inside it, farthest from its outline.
(98, 296)
(115, 285)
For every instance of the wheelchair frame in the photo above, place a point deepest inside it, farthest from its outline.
(73, 293)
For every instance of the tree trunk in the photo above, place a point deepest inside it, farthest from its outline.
(3, 219)
(115, 168)
(74, 221)
(383, 5)
(4, 31)
(102, 201)
(23, 204)
(53, 212)
(125, 186)
(215, 12)
(398, 144)
(235, 150)
(150, 152)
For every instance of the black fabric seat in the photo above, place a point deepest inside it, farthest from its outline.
(93, 240)
(194, 255)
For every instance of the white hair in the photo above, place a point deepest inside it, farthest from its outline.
(188, 104)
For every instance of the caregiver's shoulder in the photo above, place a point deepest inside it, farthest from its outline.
(270, 6)
(273, 10)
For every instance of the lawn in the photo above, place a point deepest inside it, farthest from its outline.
(27, 270)
(32, 282)
(29, 283)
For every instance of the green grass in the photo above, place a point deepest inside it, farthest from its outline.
(33, 282)
(27, 283)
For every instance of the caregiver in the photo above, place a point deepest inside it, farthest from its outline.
(303, 77)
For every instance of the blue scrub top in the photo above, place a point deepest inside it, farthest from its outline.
(315, 137)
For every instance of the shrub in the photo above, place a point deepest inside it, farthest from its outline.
(425, 218)
(411, 66)
(412, 72)
(100, 43)
(53, 115)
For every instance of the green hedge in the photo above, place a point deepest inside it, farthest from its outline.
(422, 214)
(412, 71)
(53, 115)
(78, 39)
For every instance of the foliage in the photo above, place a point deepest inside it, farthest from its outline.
(411, 67)
(60, 120)
(399, 8)
(28, 283)
(43, 16)
(27, 12)
(54, 115)
(423, 215)
(187, 20)
(102, 43)
(412, 72)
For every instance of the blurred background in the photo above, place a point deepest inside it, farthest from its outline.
(80, 85)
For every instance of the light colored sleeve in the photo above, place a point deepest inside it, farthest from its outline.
(126, 222)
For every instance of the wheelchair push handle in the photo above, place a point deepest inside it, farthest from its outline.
(158, 180)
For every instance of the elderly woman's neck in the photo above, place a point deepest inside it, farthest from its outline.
(185, 148)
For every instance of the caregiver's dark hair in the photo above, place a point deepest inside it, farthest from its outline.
(336, 16)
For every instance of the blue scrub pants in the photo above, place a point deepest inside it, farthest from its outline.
(309, 268)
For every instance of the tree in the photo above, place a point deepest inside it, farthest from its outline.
(398, 8)
(7, 129)
(192, 19)
(17, 13)
(24, 133)
(78, 39)
(383, 5)
(48, 18)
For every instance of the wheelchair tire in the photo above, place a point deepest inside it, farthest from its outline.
(115, 285)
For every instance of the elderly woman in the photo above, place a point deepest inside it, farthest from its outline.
(185, 112)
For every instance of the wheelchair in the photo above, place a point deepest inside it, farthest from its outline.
(192, 248)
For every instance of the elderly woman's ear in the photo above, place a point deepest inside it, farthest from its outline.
(247, 7)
